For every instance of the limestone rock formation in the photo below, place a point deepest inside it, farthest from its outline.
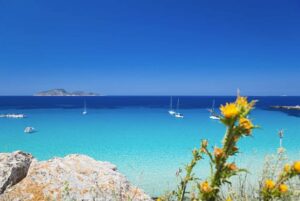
(76, 178)
(13, 168)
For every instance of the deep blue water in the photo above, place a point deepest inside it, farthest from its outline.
(137, 133)
(186, 102)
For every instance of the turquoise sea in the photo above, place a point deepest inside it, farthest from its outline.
(138, 135)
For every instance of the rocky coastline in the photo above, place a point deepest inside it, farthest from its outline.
(74, 177)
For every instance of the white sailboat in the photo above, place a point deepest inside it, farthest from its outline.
(178, 114)
(171, 111)
(84, 112)
(213, 115)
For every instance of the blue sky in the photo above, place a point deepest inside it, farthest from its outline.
(156, 47)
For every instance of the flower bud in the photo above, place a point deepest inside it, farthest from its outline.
(218, 152)
(232, 166)
(204, 143)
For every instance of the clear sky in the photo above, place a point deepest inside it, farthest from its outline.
(150, 47)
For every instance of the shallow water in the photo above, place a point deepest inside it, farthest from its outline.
(145, 142)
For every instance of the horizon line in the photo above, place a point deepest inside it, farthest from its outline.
(163, 95)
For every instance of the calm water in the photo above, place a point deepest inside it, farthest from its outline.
(137, 134)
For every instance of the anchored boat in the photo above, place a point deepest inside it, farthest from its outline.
(213, 114)
(29, 130)
(171, 111)
(178, 114)
(84, 112)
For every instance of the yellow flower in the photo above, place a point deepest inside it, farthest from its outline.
(229, 110)
(228, 199)
(218, 152)
(287, 168)
(283, 188)
(246, 124)
(232, 166)
(205, 188)
(297, 166)
(242, 101)
(269, 184)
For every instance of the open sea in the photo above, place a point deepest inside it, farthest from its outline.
(137, 134)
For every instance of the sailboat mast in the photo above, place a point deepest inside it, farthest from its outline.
(178, 105)
(171, 103)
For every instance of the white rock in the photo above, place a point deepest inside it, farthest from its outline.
(74, 177)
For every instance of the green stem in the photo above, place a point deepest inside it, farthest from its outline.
(228, 144)
(187, 178)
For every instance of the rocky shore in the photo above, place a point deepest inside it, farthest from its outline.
(72, 178)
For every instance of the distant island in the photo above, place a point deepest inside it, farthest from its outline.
(297, 107)
(63, 92)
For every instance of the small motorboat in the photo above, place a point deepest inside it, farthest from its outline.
(29, 130)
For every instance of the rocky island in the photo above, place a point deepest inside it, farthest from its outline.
(296, 107)
(74, 177)
(63, 92)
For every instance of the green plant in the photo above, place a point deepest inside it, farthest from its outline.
(235, 116)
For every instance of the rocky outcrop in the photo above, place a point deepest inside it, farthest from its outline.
(74, 177)
(13, 168)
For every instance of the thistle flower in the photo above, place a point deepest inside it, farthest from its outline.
(246, 125)
(283, 188)
(296, 167)
(205, 187)
(269, 184)
(229, 110)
